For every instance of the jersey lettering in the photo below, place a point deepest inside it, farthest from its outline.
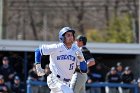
(66, 57)
(71, 66)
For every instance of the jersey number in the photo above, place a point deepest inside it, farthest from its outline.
(71, 66)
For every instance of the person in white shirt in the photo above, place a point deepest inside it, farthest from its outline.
(64, 58)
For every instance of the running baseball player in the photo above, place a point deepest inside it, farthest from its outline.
(64, 57)
(79, 79)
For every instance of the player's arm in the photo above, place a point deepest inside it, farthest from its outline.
(37, 56)
(83, 64)
(91, 62)
(40, 71)
(88, 57)
(43, 50)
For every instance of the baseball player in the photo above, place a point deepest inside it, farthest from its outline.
(79, 79)
(64, 57)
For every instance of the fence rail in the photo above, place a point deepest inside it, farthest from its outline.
(101, 84)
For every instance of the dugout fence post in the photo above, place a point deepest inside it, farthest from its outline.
(29, 90)
(25, 65)
(25, 69)
(136, 88)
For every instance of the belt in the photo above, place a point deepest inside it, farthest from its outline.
(66, 80)
(58, 76)
(77, 70)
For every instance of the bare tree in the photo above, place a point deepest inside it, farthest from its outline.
(24, 27)
(106, 7)
(44, 18)
(136, 20)
(17, 25)
(73, 9)
(80, 14)
(116, 8)
(32, 22)
(5, 16)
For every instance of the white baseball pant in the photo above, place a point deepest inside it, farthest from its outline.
(58, 86)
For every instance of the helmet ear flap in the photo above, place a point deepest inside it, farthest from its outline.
(62, 38)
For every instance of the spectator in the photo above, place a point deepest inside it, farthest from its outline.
(3, 87)
(127, 77)
(17, 86)
(7, 71)
(96, 76)
(17, 63)
(119, 68)
(112, 77)
(47, 70)
(44, 89)
(32, 75)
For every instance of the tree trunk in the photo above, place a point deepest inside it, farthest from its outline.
(32, 23)
(80, 18)
(107, 12)
(5, 15)
(135, 15)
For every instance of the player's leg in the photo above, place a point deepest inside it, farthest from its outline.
(75, 84)
(66, 89)
(62, 89)
(57, 86)
(78, 80)
(83, 90)
(53, 84)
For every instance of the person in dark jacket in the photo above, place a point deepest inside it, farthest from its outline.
(113, 77)
(32, 75)
(3, 86)
(17, 86)
(7, 71)
(119, 68)
(96, 76)
(127, 77)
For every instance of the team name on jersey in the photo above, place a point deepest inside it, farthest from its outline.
(66, 57)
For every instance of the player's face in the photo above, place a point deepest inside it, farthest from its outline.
(69, 38)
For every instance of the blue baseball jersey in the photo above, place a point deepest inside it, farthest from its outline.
(63, 61)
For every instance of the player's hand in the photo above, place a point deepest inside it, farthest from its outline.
(39, 70)
(80, 56)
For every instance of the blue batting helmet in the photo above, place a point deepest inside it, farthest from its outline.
(63, 31)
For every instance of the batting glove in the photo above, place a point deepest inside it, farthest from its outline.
(80, 56)
(39, 70)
